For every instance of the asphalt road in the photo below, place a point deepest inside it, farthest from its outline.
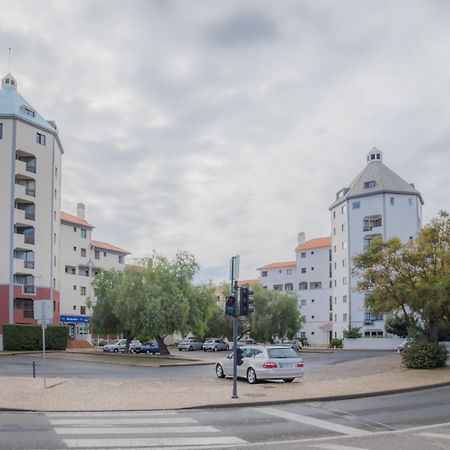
(22, 365)
(414, 421)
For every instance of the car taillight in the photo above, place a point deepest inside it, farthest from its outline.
(269, 365)
(300, 365)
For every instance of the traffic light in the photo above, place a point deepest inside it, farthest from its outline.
(230, 305)
(239, 360)
(245, 305)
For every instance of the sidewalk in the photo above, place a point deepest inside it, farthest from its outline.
(355, 378)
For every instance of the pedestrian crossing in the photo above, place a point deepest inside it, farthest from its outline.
(147, 429)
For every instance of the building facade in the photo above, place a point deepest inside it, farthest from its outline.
(378, 202)
(30, 192)
(82, 258)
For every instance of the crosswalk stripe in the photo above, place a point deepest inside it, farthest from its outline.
(434, 435)
(136, 430)
(153, 442)
(338, 447)
(111, 413)
(314, 422)
(135, 421)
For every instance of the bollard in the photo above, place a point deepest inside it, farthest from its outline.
(34, 369)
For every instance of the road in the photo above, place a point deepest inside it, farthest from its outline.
(21, 365)
(414, 421)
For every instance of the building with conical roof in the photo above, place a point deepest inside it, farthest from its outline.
(378, 202)
(30, 189)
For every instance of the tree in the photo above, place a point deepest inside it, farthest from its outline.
(155, 300)
(353, 333)
(412, 279)
(275, 315)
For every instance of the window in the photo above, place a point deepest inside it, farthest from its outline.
(343, 227)
(40, 138)
(56, 193)
(303, 270)
(392, 200)
(315, 285)
(312, 268)
(331, 317)
(97, 254)
(369, 184)
(344, 299)
(75, 229)
(344, 245)
(83, 290)
(74, 249)
(288, 271)
(54, 238)
(74, 307)
(331, 302)
(302, 285)
(104, 254)
(343, 263)
(343, 209)
(356, 205)
(83, 233)
(303, 255)
(1, 131)
(303, 302)
(264, 273)
(121, 259)
(288, 287)
(280, 271)
(312, 300)
(334, 214)
(344, 281)
(278, 287)
(334, 231)
(334, 248)
(54, 260)
(312, 317)
(82, 310)
(83, 252)
(302, 333)
(330, 284)
(74, 288)
(410, 201)
(344, 317)
(29, 112)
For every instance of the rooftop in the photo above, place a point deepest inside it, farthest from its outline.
(66, 217)
(111, 248)
(278, 265)
(314, 243)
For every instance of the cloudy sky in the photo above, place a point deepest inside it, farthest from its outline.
(226, 127)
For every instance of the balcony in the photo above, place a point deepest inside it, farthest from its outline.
(23, 191)
(23, 241)
(28, 288)
(23, 266)
(22, 216)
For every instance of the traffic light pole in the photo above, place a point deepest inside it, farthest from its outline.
(234, 290)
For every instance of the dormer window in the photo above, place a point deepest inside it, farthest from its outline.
(29, 111)
(369, 184)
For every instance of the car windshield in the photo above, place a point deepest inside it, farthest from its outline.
(282, 353)
(114, 342)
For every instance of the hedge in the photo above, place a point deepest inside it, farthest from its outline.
(29, 337)
(424, 355)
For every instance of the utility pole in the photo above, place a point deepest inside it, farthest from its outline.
(234, 274)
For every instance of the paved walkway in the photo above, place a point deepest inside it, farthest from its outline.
(362, 377)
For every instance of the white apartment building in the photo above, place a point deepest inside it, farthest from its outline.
(82, 258)
(280, 276)
(313, 288)
(377, 202)
(30, 189)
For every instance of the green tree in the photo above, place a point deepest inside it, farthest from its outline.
(157, 299)
(353, 333)
(276, 315)
(412, 279)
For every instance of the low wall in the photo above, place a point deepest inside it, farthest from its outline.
(372, 343)
(1, 342)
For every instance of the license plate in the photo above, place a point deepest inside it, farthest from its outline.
(286, 365)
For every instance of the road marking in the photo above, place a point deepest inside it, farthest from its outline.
(338, 447)
(434, 435)
(111, 413)
(136, 430)
(314, 422)
(153, 442)
(135, 421)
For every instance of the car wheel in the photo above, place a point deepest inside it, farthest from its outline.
(190, 349)
(219, 371)
(147, 352)
(251, 376)
(179, 349)
(215, 349)
(116, 350)
(288, 380)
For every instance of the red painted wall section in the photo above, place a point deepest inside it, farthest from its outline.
(41, 294)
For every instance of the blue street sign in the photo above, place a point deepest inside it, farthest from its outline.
(74, 319)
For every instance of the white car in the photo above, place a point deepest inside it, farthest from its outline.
(119, 346)
(274, 362)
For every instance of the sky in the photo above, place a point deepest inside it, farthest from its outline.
(226, 127)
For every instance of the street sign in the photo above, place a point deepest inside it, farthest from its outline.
(234, 268)
(43, 311)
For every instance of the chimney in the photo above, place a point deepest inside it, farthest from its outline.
(81, 211)
(301, 238)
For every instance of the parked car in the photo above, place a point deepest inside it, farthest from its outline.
(403, 345)
(190, 344)
(273, 362)
(149, 347)
(294, 344)
(215, 344)
(119, 345)
(246, 341)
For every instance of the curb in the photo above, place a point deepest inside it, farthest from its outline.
(329, 398)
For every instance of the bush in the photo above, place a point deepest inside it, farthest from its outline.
(353, 333)
(29, 337)
(303, 340)
(336, 343)
(421, 354)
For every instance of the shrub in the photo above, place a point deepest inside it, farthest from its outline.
(335, 343)
(421, 354)
(353, 333)
(29, 337)
(303, 340)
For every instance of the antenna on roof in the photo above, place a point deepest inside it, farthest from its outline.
(9, 60)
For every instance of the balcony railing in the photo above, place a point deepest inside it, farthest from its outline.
(31, 166)
(31, 192)
(28, 239)
(30, 215)
(28, 264)
(28, 314)
(28, 288)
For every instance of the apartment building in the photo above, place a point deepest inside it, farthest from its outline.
(82, 258)
(378, 202)
(279, 275)
(30, 190)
